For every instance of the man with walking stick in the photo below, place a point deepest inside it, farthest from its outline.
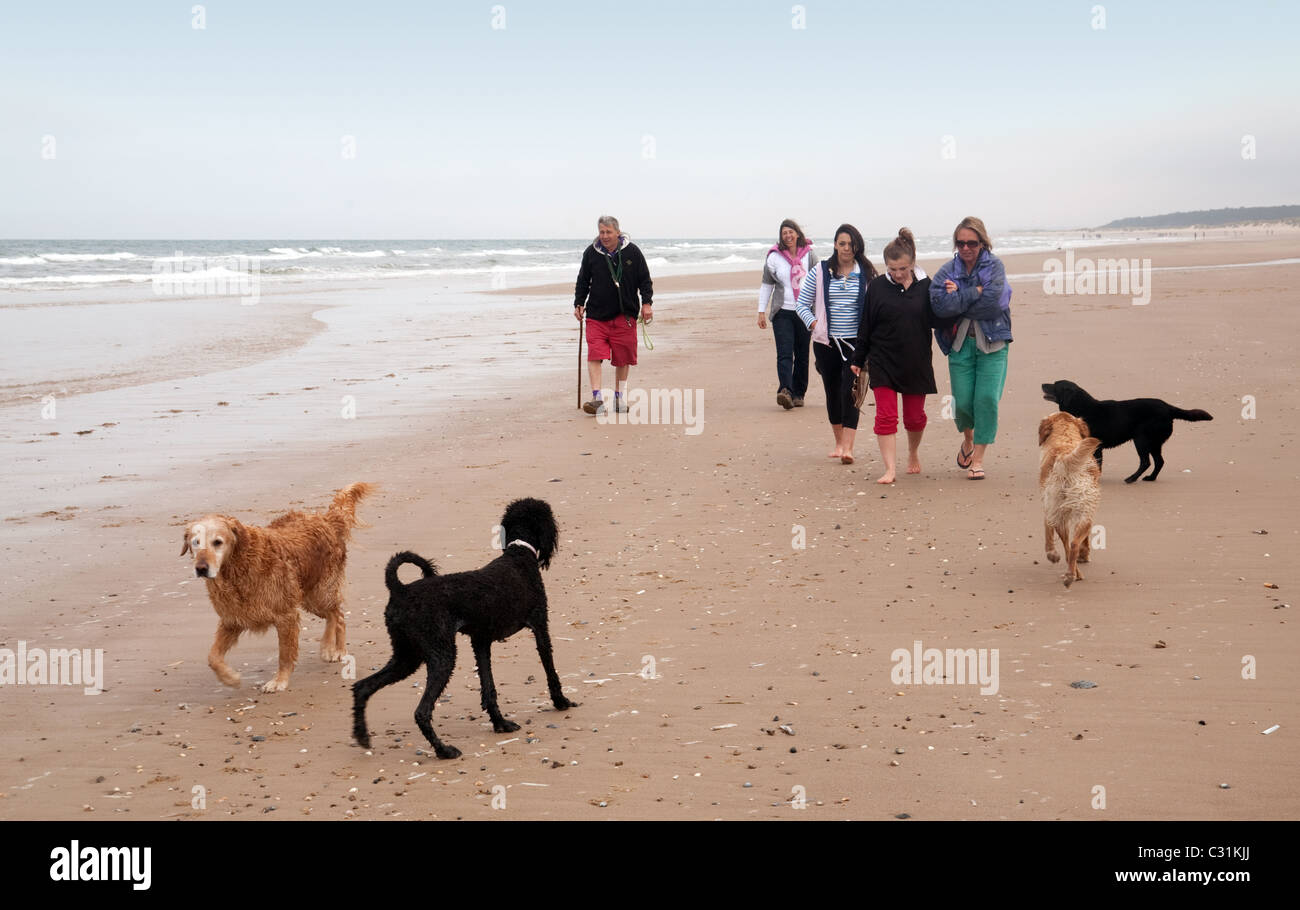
(613, 272)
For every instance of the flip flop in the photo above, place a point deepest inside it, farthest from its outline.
(962, 451)
(975, 474)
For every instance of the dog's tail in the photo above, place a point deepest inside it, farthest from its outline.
(1197, 414)
(390, 574)
(1082, 454)
(346, 499)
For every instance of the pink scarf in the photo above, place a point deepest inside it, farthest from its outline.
(797, 271)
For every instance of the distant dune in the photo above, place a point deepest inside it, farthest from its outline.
(1209, 217)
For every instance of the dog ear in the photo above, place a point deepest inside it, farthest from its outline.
(549, 538)
(1044, 430)
(185, 544)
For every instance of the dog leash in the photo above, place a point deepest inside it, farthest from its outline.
(617, 277)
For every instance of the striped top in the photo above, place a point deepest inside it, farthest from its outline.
(842, 301)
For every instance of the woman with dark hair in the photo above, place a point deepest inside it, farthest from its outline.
(972, 300)
(787, 262)
(894, 346)
(830, 304)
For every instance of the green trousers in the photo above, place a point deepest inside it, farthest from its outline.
(977, 380)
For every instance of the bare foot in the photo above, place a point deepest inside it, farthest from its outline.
(836, 454)
(887, 477)
(914, 466)
(846, 458)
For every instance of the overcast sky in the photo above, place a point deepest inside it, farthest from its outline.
(685, 119)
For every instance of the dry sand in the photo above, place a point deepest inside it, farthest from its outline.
(771, 664)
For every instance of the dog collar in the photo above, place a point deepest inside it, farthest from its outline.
(524, 543)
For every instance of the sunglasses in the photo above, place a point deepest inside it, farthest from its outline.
(967, 244)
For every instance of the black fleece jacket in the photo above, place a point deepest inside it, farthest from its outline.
(595, 286)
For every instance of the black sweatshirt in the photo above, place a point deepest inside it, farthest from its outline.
(595, 287)
(894, 337)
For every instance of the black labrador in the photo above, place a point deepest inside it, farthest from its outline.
(1146, 421)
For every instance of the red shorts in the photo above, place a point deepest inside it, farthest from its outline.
(613, 340)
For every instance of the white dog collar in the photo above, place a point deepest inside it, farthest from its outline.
(524, 543)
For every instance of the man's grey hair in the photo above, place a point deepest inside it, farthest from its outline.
(608, 221)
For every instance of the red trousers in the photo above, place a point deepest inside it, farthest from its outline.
(887, 411)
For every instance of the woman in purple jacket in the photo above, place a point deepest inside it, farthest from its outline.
(972, 302)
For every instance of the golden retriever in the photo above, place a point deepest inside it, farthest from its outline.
(259, 577)
(1071, 483)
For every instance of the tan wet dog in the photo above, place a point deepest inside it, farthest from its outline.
(1071, 483)
(259, 577)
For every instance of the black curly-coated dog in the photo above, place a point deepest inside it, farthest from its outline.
(488, 604)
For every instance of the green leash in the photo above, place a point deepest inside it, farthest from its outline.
(617, 276)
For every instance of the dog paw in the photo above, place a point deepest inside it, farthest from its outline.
(275, 685)
(447, 752)
(564, 704)
(331, 655)
(506, 726)
(1053, 557)
(229, 679)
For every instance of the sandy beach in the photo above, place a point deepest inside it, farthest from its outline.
(726, 603)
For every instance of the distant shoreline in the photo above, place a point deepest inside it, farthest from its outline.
(91, 270)
(1016, 262)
